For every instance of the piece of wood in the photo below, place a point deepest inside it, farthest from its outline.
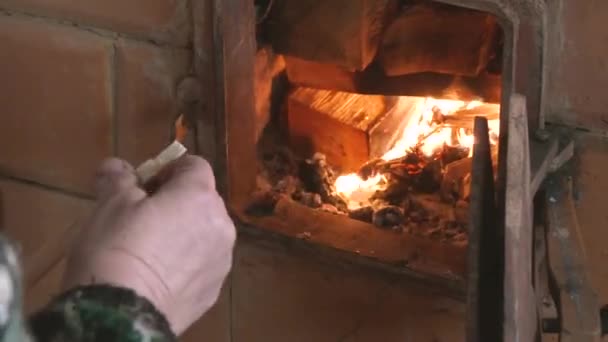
(373, 81)
(348, 128)
(520, 319)
(466, 117)
(485, 263)
(545, 304)
(454, 172)
(563, 157)
(433, 37)
(579, 305)
(541, 156)
(341, 32)
(234, 46)
(268, 66)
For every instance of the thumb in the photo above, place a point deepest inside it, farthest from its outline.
(114, 176)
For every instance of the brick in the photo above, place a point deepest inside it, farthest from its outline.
(39, 295)
(165, 21)
(32, 215)
(56, 103)
(215, 324)
(280, 295)
(341, 32)
(147, 77)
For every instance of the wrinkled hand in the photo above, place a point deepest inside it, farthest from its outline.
(173, 247)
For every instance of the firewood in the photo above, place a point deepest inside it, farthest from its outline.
(340, 32)
(348, 128)
(438, 38)
(452, 178)
(373, 80)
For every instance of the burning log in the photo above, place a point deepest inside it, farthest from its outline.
(465, 118)
(453, 179)
(396, 191)
(450, 154)
(430, 178)
(348, 128)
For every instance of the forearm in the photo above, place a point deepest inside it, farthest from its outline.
(100, 313)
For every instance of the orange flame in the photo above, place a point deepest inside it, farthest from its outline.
(423, 131)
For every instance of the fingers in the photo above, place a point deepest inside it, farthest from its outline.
(116, 176)
(188, 172)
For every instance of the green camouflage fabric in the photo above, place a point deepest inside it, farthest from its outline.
(85, 314)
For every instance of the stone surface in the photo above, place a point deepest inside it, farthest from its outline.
(56, 104)
(167, 21)
(278, 296)
(577, 68)
(591, 187)
(147, 77)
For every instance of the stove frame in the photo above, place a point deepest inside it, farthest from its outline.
(225, 128)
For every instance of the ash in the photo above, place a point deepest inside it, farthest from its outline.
(424, 196)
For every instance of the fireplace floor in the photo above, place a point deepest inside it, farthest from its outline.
(352, 241)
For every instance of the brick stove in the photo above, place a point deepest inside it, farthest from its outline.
(114, 75)
(496, 270)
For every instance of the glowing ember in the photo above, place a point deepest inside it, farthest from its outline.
(428, 130)
(357, 190)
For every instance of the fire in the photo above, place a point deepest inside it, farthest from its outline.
(357, 190)
(428, 130)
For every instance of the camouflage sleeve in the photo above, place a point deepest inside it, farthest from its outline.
(100, 313)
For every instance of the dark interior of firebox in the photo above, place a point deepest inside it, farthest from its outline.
(367, 113)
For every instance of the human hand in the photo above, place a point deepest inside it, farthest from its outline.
(173, 247)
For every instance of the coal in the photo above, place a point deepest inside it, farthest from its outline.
(318, 177)
(288, 185)
(364, 214)
(396, 190)
(416, 197)
(262, 203)
(279, 163)
(450, 154)
(331, 209)
(461, 212)
(429, 180)
(309, 199)
(388, 217)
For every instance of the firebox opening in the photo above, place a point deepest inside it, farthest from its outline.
(364, 126)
